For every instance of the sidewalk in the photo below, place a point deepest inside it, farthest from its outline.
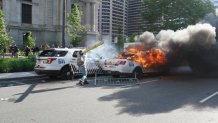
(18, 75)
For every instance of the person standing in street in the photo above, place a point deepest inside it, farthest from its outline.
(14, 51)
(27, 51)
(4, 52)
(36, 50)
(82, 68)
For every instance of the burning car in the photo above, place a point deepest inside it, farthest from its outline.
(136, 61)
(195, 46)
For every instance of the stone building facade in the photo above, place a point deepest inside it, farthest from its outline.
(89, 18)
(44, 19)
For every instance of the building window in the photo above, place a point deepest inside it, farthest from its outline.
(1, 5)
(26, 13)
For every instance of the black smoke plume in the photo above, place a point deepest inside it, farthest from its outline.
(195, 45)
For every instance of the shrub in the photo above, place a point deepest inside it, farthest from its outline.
(21, 53)
(28, 40)
(5, 39)
(16, 65)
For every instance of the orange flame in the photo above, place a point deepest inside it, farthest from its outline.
(151, 58)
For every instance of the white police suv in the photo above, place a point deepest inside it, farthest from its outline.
(62, 62)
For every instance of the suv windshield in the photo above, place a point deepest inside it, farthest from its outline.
(52, 53)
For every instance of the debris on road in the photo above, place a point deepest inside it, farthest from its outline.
(4, 99)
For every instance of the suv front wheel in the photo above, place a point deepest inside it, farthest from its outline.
(66, 73)
(138, 73)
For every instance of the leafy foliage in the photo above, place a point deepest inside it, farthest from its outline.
(120, 39)
(5, 39)
(16, 65)
(74, 27)
(174, 14)
(132, 38)
(28, 40)
(22, 53)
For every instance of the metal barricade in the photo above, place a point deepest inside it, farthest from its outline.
(110, 81)
(91, 69)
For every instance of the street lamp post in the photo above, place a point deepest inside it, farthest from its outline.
(63, 23)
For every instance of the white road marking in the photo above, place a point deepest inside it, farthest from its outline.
(147, 81)
(209, 97)
(140, 83)
(18, 82)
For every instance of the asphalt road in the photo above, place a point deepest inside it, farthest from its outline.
(175, 98)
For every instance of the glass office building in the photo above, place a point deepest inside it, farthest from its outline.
(112, 17)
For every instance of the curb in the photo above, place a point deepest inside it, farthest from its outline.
(26, 77)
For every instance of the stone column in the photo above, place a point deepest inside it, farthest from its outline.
(88, 13)
(90, 20)
(93, 17)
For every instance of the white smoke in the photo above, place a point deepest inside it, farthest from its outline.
(107, 50)
(148, 39)
(164, 38)
(199, 34)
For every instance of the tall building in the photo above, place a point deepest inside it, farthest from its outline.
(135, 19)
(216, 5)
(113, 17)
(44, 19)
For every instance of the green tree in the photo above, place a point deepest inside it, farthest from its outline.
(120, 39)
(174, 14)
(74, 27)
(28, 40)
(132, 38)
(5, 39)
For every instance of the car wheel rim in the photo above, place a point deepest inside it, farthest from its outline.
(68, 73)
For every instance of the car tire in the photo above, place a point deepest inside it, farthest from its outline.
(139, 73)
(66, 73)
(52, 76)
